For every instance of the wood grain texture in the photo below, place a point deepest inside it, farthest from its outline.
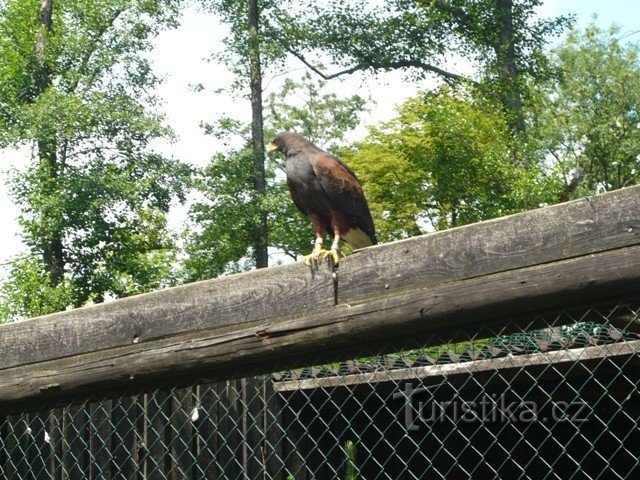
(580, 227)
(342, 330)
(564, 231)
(230, 300)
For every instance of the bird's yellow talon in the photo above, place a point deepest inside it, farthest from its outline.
(314, 257)
(309, 260)
(332, 256)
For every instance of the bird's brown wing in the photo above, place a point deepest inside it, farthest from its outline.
(344, 192)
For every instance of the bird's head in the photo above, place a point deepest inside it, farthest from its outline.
(288, 143)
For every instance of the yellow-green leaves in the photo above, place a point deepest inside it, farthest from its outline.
(444, 160)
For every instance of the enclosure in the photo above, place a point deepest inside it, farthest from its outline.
(503, 349)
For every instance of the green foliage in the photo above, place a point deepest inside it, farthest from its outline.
(358, 32)
(111, 214)
(93, 47)
(95, 189)
(505, 40)
(223, 223)
(304, 108)
(29, 293)
(589, 119)
(350, 467)
(236, 45)
(445, 160)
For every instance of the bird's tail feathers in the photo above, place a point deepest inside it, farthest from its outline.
(356, 238)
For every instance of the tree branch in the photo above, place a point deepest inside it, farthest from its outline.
(448, 77)
(325, 76)
(84, 62)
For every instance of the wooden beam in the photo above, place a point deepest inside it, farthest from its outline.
(334, 332)
(588, 225)
(566, 254)
(597, 352)
(231, 300)
(581, 227)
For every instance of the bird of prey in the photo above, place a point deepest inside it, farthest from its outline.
(328, 192)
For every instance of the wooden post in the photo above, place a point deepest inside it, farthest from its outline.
(181, 434)
(100, 439)
(206, 431)
(157, 408)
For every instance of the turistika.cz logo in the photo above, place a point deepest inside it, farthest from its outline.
(421, 408)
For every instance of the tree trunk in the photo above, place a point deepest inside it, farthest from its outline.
(46, 144)
(257, 134)
(511, 95)
(500, 36)
(52, 247)
(42, 74)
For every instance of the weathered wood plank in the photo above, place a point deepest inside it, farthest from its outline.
(16, 441)
(207, 434)
(76, 441)
(274, 432)
(56, 434)
(341, 330)
(580, 227)
(181, 434)
(125, 413)
(100, 439)
(572, 229)
(252, 426)
(234, 299)
(230, 445)
(157, 413)
(41, 453)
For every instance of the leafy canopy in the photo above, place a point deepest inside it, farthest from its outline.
(505, 40)
(94, 185)
(588, 120)
(443, 161)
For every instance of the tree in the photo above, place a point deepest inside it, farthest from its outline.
(257, 130)
(321, 117)
(508, 40)
(443, 161)
(588, 120)
(75, 86)
(220, 236)
(244, 53)
(29, 292)
(505, 38)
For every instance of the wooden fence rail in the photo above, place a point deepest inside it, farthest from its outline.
(577, 252)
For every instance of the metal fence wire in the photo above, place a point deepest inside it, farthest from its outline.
(557, 398)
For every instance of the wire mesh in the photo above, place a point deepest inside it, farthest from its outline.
(555, 398)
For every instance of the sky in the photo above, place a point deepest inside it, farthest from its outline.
(180, 56)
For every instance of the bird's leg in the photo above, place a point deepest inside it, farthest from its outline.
(318, 252)
(335, 253)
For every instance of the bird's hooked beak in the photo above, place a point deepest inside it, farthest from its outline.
(272, 147)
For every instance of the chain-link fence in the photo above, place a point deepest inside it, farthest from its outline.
(556, 397)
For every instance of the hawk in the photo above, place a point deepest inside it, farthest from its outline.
(328, 192)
